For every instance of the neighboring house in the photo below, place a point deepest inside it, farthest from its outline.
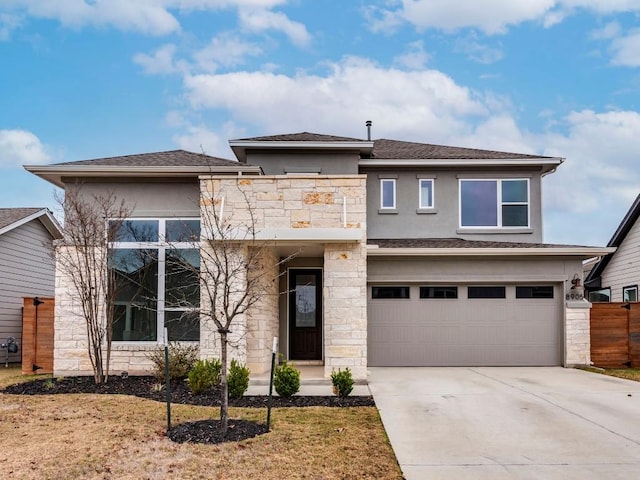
(615, 278)
(26, 266)
(405, 253)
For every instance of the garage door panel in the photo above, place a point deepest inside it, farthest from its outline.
(465, 332)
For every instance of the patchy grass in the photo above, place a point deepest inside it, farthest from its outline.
(628, 373)
(120, 437)
(13, 374)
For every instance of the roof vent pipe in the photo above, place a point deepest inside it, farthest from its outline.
(368, 124)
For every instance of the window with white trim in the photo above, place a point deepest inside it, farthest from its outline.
(425, 193)
(153, 267)
(488, 203)
(630, 294)
(387, 193)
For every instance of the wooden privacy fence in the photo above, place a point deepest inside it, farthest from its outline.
(615, 335)
(37, 335)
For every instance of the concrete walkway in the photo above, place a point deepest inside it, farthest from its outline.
(509, 423)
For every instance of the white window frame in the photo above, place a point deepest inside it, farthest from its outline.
(382, 182)
(161, 246)
(433, 194)
(499, 204)
(630, 288)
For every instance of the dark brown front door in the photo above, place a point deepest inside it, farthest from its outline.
(305, 314)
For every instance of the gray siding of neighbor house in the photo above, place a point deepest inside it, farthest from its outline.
(325, 163)
(407, 221)
(624, 268)
(153, 199)
(26, 270)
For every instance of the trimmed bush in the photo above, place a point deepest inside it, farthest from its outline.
(182, 359)
(204, 375)
(237, 379)
(342, 381)
(286, 379)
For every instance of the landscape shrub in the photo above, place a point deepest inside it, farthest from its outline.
(237, 379)
(342, 381)
(182, 359)
(204, 375)
(286, 379)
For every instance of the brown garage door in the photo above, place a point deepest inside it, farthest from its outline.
(464, 331)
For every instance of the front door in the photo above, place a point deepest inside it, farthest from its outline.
(305, 314)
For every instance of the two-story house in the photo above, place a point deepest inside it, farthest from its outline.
(399, 254)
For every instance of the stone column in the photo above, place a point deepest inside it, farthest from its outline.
(345, 308)
(577, 333)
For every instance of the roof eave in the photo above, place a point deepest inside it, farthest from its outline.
(54, 173)
(547, 164)
(46, 218)
(582, 252)
(240, 147)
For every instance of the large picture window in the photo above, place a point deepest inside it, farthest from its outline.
(494, 203)
(154, 269)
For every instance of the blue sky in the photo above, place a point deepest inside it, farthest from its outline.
(86, 79)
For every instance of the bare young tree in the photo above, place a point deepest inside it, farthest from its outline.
(233, 276)
(90, 221)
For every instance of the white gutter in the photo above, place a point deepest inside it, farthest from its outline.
(444, 162)
(375, 251)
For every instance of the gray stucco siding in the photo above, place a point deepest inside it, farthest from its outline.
(153, 199)
(335, 163)
(26, 270)
(407, 220)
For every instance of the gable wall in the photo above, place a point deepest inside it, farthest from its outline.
(26, 270)
(443, 221)
(624, 268)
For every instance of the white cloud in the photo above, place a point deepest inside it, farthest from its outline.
(8, 23)
(20, 147)
(417, 103)
(592, 190)
(610, 30)
(415, 58)
(260, 20)
(490, 16)
(146, 16)
(159, 62)
(226, 50)
(477, 51)
(626, 50)
(201, 139)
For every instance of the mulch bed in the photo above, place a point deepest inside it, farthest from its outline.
(204, 431)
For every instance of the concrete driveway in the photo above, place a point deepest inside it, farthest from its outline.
(504, 423)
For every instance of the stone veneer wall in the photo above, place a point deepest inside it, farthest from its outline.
(305, 202)
(262, 320)
(345, 308)
(577, 333)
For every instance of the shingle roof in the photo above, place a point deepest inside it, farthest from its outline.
(158, 159)
(12, 215)
(458, 243)
(396, 149)
(299, 137)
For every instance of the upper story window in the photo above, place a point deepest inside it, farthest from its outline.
(494, 203)
(387, 193)
(425, 193)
